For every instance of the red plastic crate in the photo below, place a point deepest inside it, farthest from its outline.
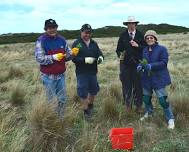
(122, 138)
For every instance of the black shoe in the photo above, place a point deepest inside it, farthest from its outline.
(87, 114)
(90, 106)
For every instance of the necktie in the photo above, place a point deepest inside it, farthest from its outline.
(131, 35)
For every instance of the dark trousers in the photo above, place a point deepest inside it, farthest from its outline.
(131, 85)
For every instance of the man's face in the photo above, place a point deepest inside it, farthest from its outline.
(86, 35)
(51, 31)
(131, 26)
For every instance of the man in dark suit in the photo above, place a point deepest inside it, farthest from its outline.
(129, 50)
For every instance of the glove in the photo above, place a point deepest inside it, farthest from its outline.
(89, 60)
(100, 60)
(58, 56)
(74, 51)
(139, 68)
(148, 67)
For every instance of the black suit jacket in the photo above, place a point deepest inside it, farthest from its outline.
(132, 54)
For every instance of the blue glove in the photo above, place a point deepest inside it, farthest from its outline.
(139, 68)
(148, 67)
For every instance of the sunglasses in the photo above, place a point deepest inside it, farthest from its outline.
(149, 38)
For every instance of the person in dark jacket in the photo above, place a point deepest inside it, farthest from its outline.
(155, 76)
(86, 68)
(129, 50)
(51, 52)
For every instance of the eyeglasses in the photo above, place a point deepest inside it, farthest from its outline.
(149, 38)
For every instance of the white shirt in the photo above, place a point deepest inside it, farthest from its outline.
(133, 33)
(87, 42)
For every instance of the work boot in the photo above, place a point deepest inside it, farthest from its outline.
(90, 107)
(87, 114)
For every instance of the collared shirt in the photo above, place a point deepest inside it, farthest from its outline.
(133, 33)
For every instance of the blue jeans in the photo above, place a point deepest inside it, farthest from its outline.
(55, 88)
(162, 96)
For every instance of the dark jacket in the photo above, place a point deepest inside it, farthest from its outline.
(91, 51)
(132, 54)
(159, 77)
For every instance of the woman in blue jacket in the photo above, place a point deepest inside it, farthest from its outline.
(155, 76)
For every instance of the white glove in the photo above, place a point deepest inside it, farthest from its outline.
(89, 60)
(100, 60)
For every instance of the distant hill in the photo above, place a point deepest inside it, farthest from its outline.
(107, 31)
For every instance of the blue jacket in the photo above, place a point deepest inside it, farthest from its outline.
(159, 76)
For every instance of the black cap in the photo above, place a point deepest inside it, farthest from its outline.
(86, 27)
(50, 23)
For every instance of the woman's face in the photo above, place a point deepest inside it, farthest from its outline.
(150, 40)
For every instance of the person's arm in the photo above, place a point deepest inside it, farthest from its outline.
(162, 62)
(100, 58)
(120, 47)
(68, 53)
(40, 56)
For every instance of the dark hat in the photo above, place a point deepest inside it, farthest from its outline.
(86, 27)
(50, 23)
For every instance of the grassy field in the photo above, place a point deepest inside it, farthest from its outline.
(27, 123)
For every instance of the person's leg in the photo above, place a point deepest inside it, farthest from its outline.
(50, 86)
(91, 99)
(61, 95)
(93, 90)
(122, 79)
(162, 96)
(147, 96)
(82, 91)
(137, 90)
(128, 88)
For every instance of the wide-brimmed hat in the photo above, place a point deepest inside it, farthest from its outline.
(151, 33)
(130, 19)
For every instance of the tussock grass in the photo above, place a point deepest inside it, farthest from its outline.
(47, 129)
(17, 95)
(14, 71)
(49, 132)
(44, 131)
(110, 110)
(115, 91)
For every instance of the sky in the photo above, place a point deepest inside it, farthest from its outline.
(20, 16)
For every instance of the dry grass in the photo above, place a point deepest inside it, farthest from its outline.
(17, 95)
(42, 130)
